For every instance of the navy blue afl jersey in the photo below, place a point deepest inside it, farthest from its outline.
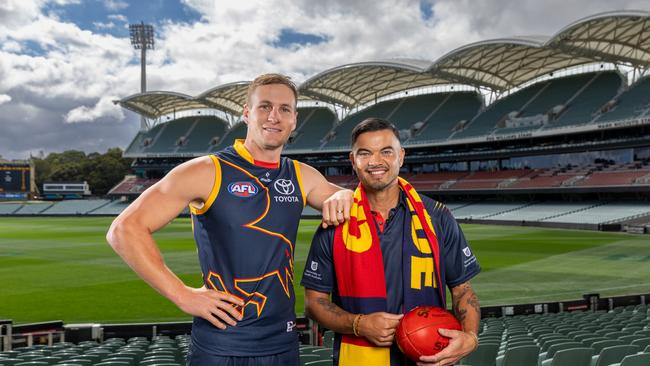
(245, 234)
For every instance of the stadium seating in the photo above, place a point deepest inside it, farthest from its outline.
(541, 179)
(238, 131)
(558, 339)
(486, 121)
(9, 208)
(33, 208)
(132, 185)
(168, 135)
(339, 137)
(443, 117)
(136, 351)
(612, 178)
(202, 135)
(75, 207)
(346, 181)
(603, 213)
(489, 179)
(585, 106)
(313, 124)
(485, 210)
(434, 181)
(542, 211)
(556, 92)
(112, 208)
(577, 98)
(631, 103)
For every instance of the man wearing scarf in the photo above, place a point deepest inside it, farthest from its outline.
(398, 251)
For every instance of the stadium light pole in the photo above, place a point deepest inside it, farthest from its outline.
(142, 39)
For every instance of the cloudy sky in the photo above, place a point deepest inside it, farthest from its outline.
(63, 62)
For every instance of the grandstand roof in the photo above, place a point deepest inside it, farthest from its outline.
(620, 36)
(229, 97)
(359, 83)
(501, 64)
(158, 103)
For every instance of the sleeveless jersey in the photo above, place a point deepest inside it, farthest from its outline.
(245, 235)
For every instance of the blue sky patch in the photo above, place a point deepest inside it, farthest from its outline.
(98, 16)
(290, 38)
(426, 9)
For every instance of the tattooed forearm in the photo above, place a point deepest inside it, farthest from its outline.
(330, 307)
(466, 306)
(473, 302)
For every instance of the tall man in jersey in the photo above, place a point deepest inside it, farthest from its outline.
(246, 203)
(399, 250)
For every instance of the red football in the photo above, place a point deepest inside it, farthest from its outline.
(417, 333)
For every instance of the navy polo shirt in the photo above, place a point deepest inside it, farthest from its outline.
(460, 264)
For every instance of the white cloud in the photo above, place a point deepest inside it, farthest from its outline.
(100, 25)
(118, 17)
(104, 109)
(4, 98)
(69, 79)
(65, 2)
(114, 5)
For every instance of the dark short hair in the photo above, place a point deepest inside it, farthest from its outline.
(372, 124)
(271, 79)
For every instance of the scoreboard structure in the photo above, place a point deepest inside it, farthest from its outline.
(17, 180)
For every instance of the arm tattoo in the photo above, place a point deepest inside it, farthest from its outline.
(464, 294)
(330, 307)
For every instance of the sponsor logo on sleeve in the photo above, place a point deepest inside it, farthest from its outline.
(312, 271)
(467, 251)
(290, 325)
(469, 257)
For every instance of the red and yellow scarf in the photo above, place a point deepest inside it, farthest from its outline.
(359, 268)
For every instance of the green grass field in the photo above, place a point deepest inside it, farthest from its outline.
(61, 268)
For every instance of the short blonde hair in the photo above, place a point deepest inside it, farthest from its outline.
(271, 79)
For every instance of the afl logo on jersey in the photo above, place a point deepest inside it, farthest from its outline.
(242, 189)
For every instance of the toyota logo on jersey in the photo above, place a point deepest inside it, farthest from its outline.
(284, 186)
(242, 189)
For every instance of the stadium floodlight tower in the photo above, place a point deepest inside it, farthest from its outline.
(142, 39)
